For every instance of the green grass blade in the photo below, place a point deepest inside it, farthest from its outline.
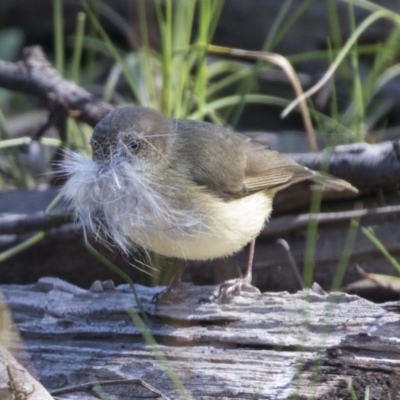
(37, 237)
(111, 48)
(216, 10)
(348, 248)
(358, 95)
(53, 203)
(351, 390)
(146, 53)
(58, 20)
(334, 108)
(203, 39)
(287, 26)
(365, 49)
(78, 43)
(312, 230)
(334, 24)
(369, 233)
(229, 80)
(27, 140)
(117, 271)
(273, 30)
(340, 57)
(17, 169)
(312, 237)
(161, 358)
(166, 42)
(236, 99)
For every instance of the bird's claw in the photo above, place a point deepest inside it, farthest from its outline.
(234, 287)
(231, 288)
(170, 294)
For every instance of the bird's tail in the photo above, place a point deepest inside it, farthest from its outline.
(330, 182)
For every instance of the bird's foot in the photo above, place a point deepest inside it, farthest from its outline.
(234, 287)
(171, 294)
(228, 289)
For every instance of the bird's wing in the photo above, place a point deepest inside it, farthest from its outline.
(212, 156)
(231, 165)
(269, 170)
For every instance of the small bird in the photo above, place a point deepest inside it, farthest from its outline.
(180, 188)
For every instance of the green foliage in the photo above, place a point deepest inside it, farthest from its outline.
(363, 77)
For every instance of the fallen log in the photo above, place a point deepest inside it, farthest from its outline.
(265, 346)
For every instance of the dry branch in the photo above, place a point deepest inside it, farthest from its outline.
(276, 227)
(91, 386)
(284, 225)
(34, 75)
(23, 223)
(367, 166)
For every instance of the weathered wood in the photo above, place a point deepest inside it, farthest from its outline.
(269, 346)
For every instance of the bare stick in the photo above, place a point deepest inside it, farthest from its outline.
(292, 261)
(284, 225)
(364, 165)
(90, 385)
(22, 223)
(34, 75)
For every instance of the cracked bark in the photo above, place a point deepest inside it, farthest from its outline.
(268, 345)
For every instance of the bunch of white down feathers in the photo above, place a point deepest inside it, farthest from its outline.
(108, 194)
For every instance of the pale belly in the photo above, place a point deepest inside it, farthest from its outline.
(225, 229)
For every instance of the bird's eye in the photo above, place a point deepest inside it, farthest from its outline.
(134, 145)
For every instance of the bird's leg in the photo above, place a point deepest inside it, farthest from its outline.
(176, 282)
(249, 268)
(235, 286)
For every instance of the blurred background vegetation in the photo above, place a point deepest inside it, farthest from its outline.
(154, 53)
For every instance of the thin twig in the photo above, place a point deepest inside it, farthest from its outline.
(378, 282)
(277, 226)
(23, 223)
(284, 225)
(285, 65)
(292, 261)
(90, 385)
